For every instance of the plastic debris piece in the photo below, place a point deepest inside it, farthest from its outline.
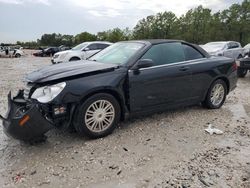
(212, 131)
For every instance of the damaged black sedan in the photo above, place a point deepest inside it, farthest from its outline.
(126, 79)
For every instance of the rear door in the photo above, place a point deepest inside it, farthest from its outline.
(238, 53)
(233, 51)
(168, 82)
(228, 52)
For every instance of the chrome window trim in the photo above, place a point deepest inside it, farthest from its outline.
(170, 64)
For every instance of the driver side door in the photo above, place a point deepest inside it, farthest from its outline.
(166, 83)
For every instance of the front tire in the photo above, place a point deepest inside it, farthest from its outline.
(18, 55)
(98, 116)
(216, 95)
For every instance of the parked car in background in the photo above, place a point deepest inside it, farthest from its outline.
(48, 52)
(80, 52)
(63, 48)
(246, 49)
(243, 65)
(126, 79)
(9, 51)
(225, 48)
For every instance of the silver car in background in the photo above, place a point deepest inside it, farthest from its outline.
(247, 49)
(224, 48)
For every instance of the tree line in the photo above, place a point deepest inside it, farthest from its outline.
(199, 25)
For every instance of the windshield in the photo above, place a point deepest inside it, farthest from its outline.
(118, 53)
(214, 46)
(80, 46)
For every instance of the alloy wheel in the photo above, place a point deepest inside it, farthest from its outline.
(217, 94)
(99, 116)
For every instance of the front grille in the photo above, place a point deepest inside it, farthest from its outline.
(26, 92)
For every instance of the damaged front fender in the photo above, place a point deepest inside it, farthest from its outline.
(24, 121)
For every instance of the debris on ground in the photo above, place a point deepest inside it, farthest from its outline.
(212, 131)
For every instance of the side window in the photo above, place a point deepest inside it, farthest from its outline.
(236, 45)
(191, 53)
(102, 46)
(92, 47)
(233, 45)
(165, 53)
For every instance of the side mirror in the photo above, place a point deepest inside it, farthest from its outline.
(85, 49)
(144, 63)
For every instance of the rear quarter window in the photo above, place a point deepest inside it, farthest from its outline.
(92, 47)
(191, 53)
(102, 46)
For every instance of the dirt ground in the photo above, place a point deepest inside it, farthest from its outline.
(170, 149)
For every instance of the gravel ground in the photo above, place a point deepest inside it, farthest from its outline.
(170, 149)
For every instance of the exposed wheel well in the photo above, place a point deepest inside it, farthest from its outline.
(74, 58)
(114, 94)
(240, 56)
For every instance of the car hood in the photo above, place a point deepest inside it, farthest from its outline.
(65, 70)
(63, 52)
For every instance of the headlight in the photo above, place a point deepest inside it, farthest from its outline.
(56, 56)
(48, 93)
(62, 56)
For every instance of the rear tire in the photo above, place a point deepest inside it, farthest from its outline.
(18, 55)
(98, 116)
(241, 72)
(216, 95)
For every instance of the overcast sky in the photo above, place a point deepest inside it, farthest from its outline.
(27, 20)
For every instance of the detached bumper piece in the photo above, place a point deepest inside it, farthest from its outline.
(24, 121)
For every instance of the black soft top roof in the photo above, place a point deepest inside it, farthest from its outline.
(159, 41)
(154, 41)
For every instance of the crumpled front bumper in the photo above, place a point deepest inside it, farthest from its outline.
(24, 121)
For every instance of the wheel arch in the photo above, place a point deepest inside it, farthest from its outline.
(112, 92)
(225, 79)
(240, 55)
(74, 57)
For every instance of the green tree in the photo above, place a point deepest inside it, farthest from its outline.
(114, 35)
(84, 37)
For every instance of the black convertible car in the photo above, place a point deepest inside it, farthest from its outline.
(126, 79)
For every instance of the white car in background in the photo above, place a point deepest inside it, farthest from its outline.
(225, 48)
(80, 52)
(10, 52)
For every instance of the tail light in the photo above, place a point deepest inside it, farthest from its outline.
(235, 67)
